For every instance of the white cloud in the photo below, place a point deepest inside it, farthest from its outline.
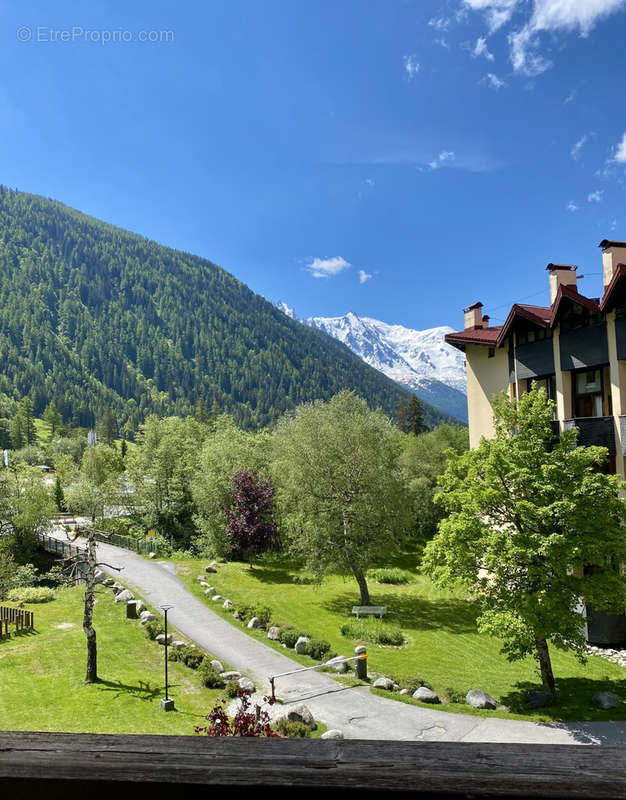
(327, 267)
(412, 66)
(613, 224)
(442, 158)
(492, 81)
(571, 206)
(481, 49)
(442, 42)
(363, 276)
(577, 148)
(569, 97)
(369, 181)
(620, 152)
(546, 16)
(439, 23)
(595, 197)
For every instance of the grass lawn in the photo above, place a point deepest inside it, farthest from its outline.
(42, 675)
(443, 647)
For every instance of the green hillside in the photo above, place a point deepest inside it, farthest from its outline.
(94, 317)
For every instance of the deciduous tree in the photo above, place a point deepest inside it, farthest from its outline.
(251, 527)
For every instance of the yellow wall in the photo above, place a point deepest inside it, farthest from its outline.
(485, 377)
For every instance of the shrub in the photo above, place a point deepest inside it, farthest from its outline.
(454, 696)
(317, 649)
(191, 657)
(26, 575)
(153, 629)
(264, 613)
(232, 689)
(56, 576)
(209, 677)
(390, 575)
(292, 730)
(410, 683)
(290, 636)
(33, 594)
(304, 579)
(374, 631)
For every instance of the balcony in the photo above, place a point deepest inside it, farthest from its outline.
(594, 431)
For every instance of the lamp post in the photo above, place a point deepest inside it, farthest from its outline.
(167, 704)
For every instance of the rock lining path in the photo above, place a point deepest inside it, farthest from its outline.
(356, 711)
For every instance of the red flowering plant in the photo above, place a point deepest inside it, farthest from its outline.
(246, 722)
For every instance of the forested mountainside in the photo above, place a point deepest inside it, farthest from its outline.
(95, 317)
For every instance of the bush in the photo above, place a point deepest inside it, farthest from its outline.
(390, 575)
(374, 631)
(264, 613)
(124, 526)
(209, 677)
(292, 730)
(290, 636)
(153, 629)
(410, 683)
(56, 576)
(317, 649)
(33, 594)
(26, 575)
(232, 689)
(454, 696)
(305, 580)
(191, 657)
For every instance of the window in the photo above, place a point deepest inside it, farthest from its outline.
(492, 352)
(588, 393)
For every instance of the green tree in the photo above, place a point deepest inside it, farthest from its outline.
(409, 416)
(227, 450)
(524, 519)
(343, 496)
(23, 425)
(25, 509)
(106, 428)
(423, 460)
(53, 418)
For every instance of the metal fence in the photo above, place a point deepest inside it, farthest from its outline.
(127, 542)
(58, 546)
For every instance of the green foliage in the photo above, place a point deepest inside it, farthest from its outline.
(94, 318)
(292, 730)
(455, 696)
(23, 425)
(319, 649)
(124, 526)
(25, 509)
(523, 522)
(209, 677)
(374, 631)
(154, 629)
(190, 656)
(409, 416)
(423, 459)
(33, 594)
(289, 637)
(409, 682)
(232, 689)
(263, 613)
(392, 575)
(341, 492)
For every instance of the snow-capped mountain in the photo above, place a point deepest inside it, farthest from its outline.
(418, 360)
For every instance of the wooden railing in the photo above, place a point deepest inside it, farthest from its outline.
(69, 766)
(20, 617)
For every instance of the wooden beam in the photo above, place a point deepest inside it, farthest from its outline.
(91, 761)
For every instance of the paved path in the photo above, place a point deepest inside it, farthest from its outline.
(356, 711)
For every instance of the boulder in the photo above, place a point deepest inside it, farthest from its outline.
(108, 582)
(213, 564)
(217, 665)
(303, 714)
(236, 615)
(302, 645)
(151, 555)
(273, 633)
(426, 695)
(478, 699)
(405, 691)
(140, 606)
(124, 596)
(99, 576)
(605, 700)
(146, 616)
(201, 578)
(246, 685)
(227, 605)
(160, 639)
(178, 643)
(232, 675)
(209, 591)
(117, 587)
(255, 622)
(210, 568)
(383, 683)
(204, 584)
(338, 664)
(538, 698)
(217, 598)
(333, 733)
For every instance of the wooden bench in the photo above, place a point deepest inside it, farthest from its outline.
(369, 611)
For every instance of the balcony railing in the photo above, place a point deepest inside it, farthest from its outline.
(594, 431)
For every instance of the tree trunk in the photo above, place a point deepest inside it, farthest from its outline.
(356, 569)
(90, 633)
(545, 665)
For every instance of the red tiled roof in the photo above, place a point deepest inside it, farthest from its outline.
(569, 293)
(475, 336)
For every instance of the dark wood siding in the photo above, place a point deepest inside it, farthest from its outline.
(535, 359)
(620, 335)
(584, 347)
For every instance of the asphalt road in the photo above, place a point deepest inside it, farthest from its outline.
(355, 711)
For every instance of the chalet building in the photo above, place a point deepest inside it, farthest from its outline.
(576, 349)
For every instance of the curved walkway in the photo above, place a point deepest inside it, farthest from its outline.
(355, 711)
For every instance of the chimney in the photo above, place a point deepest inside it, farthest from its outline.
(473, 317)
(613, 253)
(561, 274)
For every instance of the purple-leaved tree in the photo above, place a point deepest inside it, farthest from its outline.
(251, 529)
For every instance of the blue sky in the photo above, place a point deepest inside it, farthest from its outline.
(399, 159)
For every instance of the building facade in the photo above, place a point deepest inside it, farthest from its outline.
(576, 349)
